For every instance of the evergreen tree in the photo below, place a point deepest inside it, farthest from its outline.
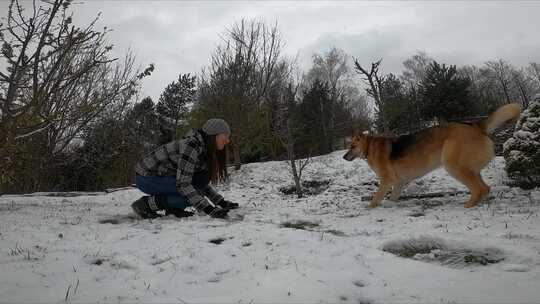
(522, 151)
(396, 106)
(109, 149)
(445, 94)
(315, 115)
(174, 102)
(144, 119)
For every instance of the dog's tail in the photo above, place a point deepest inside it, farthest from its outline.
(509, 112)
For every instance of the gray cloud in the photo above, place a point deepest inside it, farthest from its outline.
(179, 36)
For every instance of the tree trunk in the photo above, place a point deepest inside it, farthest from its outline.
(505, 90)
(296, 177)
(524, 99)
(236, 155)
(324, 141)
(294, 169)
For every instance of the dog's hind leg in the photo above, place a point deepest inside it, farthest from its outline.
(464, 163)
(473, 181)
(483, 189)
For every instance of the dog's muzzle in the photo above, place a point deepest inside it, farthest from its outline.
(349, 156)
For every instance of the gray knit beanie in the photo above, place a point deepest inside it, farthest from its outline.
(216, 126)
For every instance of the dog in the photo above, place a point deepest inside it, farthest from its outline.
(462, 149)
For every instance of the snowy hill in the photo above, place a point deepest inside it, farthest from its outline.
(323, 248)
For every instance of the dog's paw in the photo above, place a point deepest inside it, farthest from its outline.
(470, 205)
(372, 205)
(388, 204)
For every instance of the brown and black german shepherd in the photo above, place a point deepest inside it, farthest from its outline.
(462, 149)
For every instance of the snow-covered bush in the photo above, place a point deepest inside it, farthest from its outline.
(522, 150)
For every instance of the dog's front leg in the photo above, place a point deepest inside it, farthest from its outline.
(379, 195)
(396, 191)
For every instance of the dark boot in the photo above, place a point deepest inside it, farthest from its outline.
(141, 207)
(177, 212)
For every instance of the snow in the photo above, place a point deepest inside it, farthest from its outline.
(54, 249)
(516, 267)
(524, 134)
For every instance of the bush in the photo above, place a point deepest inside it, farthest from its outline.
(522, 150)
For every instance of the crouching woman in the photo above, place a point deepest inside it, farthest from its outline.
(178, 174)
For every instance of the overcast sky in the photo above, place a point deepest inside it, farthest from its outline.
(179, 36)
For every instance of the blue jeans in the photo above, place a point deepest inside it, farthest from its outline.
(165, 186)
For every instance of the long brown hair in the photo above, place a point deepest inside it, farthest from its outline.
(216, 160)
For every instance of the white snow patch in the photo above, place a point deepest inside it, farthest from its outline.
(54, 248)
(516, 268)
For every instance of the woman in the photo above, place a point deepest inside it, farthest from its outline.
(177, 174)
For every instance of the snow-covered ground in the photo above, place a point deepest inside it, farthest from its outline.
(54, 249)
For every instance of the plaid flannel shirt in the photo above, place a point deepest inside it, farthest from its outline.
(181, 158)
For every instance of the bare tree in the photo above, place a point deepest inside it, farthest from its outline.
(57, 73)
(524, 86)
(508, 83)
(59, 76)
(501, 72)
(374, 81)
(333, 69)
(286, 131)
(240, 75)
(533, 71)
(415, 68)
